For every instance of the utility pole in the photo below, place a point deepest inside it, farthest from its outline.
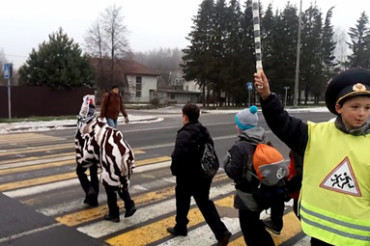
(296, 81)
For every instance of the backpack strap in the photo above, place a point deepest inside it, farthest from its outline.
(248, 171)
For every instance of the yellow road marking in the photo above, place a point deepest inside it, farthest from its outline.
(37, 149)
(98, 212)
(20, 136)
(152, 160)
(155, 231)
(72, 161)
(37, 181)
(27, 137)
(40, 149)
(291, 228)
(32, 158)
(37, 166)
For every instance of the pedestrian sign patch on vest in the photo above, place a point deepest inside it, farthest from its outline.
(342, 179)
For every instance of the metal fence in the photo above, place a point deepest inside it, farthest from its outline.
(41, 101)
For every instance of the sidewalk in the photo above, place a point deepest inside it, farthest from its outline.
(134, 119)
(65, 124)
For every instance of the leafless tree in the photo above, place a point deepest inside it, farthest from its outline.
(106, 39)
(114, 32)
(95, 44)
(107, 35)
(341, 50)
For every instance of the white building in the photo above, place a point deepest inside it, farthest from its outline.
(138, 81)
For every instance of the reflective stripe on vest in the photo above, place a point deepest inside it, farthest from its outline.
(335, 194)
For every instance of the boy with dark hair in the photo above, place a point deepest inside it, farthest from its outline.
(192, 111)
(335, 193)
(190, 178)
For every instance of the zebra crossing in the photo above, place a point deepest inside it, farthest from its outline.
(48, 184)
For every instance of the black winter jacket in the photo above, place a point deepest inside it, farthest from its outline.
(187, 153)
(292, 131)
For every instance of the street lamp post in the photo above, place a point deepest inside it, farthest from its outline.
(296, 82)
(286, 88)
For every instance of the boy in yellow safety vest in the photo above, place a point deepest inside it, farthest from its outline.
(335, 194)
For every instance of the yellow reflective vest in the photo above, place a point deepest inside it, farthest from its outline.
(335, 194)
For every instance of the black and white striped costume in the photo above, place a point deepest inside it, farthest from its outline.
(97, 143)
(110, 150)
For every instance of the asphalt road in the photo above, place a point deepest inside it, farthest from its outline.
(41, 200)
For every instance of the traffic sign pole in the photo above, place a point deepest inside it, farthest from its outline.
(8, 75)
(9, 101)
(250, 88)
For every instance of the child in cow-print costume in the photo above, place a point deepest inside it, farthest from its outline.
(105, 147)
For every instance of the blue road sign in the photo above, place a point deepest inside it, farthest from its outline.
(249, 86)
(7, 68)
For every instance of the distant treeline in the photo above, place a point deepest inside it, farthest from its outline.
(221, 54)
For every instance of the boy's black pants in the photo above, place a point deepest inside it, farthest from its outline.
(253, 229)
(199, 189)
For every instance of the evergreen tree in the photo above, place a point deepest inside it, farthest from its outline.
(312, 58)
(284, 48)
(268, 26)
(328, 47)
(58, 63)
(247, 53)
(218, 47)
(233, 69)
(360, 43)
(198, 58)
